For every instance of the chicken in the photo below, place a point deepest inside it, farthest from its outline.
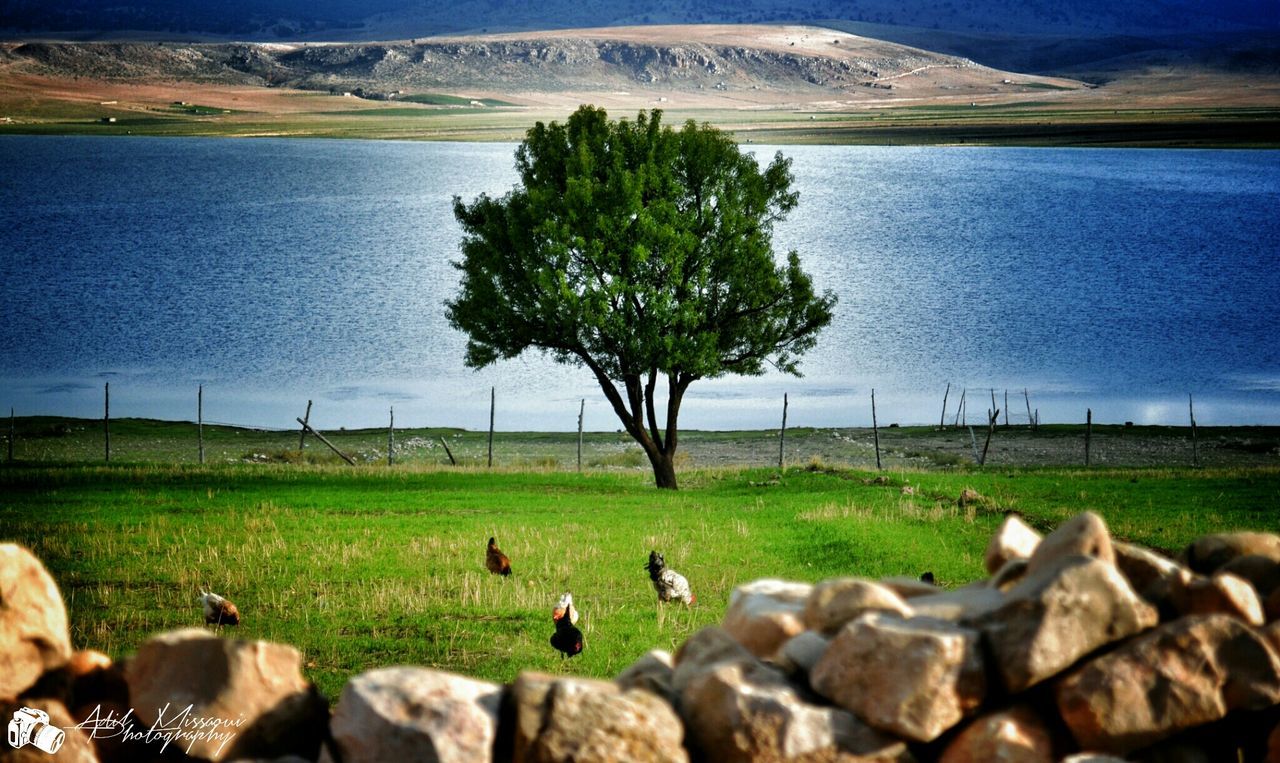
(669, 584)
(219, 611)
(496, 561)
(567, 638)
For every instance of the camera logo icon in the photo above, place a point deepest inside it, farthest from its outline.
(31, 727)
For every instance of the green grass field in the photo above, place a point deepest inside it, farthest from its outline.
(375, 565)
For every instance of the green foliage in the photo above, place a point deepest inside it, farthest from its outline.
(637, 251)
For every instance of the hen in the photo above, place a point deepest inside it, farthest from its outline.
(669, 584)
(567, 638)
(496, 561)
(219, 611)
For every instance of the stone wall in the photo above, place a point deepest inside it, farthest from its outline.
(1076, 648)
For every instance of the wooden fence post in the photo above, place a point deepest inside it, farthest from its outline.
(493, 400)
(1195, 447)
(782, 435)
(448, 452)
(875, 428)
(1088, 433)
(582, 409)
(1030, 421)
(106, 418)
(1006, 408)
(991, 427)
(200, 420)
(943, 423)
(391, 438)
(325, 440)
(302, 438)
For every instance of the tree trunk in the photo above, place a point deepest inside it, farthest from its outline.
(664, 470)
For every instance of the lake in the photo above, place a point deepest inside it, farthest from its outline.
(277, 271)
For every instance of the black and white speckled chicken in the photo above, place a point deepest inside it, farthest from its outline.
(670, 585)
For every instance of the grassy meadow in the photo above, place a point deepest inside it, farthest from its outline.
(376, 565)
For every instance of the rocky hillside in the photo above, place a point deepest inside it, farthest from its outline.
(782, 59)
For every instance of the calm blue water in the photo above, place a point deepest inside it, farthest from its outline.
(277, 271)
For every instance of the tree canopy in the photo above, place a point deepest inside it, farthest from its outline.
(642, 253)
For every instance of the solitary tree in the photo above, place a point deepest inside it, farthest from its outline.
(642, 253)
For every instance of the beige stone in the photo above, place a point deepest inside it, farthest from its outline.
(1152, 576)
(415, 714)
(652, 672)
(802, 652)
(747, 712)
(75, 746)
(909, 588)
(33, 622)
(1013, 735)
(1209, 552)
(835, 602)
(1263, 573)
(1183, 674)
(1009, 575)
(1085, 534)
(1059, 614)
(255, 689)
(579, 720)
(1221, 593)
(961, 604)
(1013, 540)
(763, 614)
(914, 678)
(701, 652)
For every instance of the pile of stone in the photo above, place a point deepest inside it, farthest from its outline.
(1077, 648)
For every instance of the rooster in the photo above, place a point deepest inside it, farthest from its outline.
(667, 582)
(219, 611)
(496, 561)
(567, 638)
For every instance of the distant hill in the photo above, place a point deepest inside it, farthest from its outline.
(390, 19)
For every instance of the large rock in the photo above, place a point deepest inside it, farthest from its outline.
(961, 604)
(763, 614)
(1013, 540)
(578, 720)
(701, 652)
(652, 672)
(33, 622)
(75, 746)
(1183, 674)
(747, 712)
(1014, 735)
(251, 692)
(915, 678)
(1263, 573)
(1059, 614)
(1154, 577)
(414, 714)
(801, 653)
(1085, 534)
(1209, 552)
(1221, 593)
(832, 603)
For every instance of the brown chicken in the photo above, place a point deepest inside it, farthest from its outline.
(496, 561)
(219, 611)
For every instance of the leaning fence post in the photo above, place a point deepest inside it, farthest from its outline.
(875, 428)
(942, 424)
(448, 452)
(493, 399)
(1195, 447)
(991, 427)
(391, 438)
